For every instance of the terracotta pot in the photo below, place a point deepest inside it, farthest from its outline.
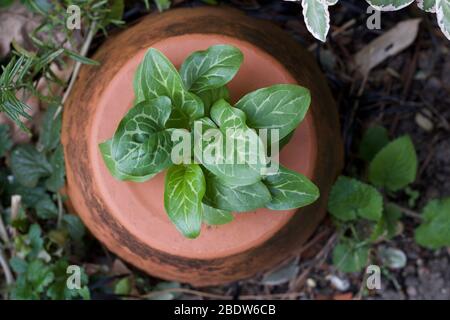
(129, 218)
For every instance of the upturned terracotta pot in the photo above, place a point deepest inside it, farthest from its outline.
(129, 218)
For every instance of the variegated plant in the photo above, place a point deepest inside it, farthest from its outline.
(317, 17)
(169, 103)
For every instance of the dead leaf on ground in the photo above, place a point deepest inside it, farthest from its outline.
(389, 44)
(16, 23)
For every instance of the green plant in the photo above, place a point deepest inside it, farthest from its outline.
(171, 105)
(317, 16)
(365, 213)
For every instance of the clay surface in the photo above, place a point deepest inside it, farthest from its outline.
(129, 217)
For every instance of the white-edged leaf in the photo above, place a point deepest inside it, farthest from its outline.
(427, 5)
(317, 18)
(389, 5)
(443, 16)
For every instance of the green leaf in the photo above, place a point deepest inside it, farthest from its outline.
(209, 97)
(434, 232)
(243, 164)
(281, 107)
(123, 286)
(105, 149)
(116, 9)
(349, 256)
(141, 145)
(18, 265)
(350, 198)
(317, 18)
(6, 3)
(374, 139)
(235, 198)
(79, 58)
(28, 165)
(389, 5)
(57, 179)
(387, 226)
(395, 166)
(183, 194)
(46, 209)
(74, 226)
(5, 139)
(213, 216)
(58, 289)
(156, 77)
(290, 190)
(443, 16)
(49, 137)
(212, 68)
(162, 5)
(35, 240)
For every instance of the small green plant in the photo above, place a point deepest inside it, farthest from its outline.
(171, 106)
(317, 16)
(365, 213)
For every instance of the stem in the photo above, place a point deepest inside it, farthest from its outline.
(5, 266)
(407, 212)
(83, 52)
(60, 210)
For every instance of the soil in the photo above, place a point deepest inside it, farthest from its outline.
(413, 84)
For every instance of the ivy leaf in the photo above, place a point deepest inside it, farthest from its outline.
(374, 139)
(209, 97)
(350, 198)
(281, 107)
(58, 289)
(156, 77)
(443, 16)
(317, 18)
(290, 190)
(74, 226)
(235, 198)
(28, 165)
(57, 179)
(434, 232)
(349, 256)
(46, 209)
(427, 5)
(212, 68)
(213, 216)
(244, 165)
(395, 166)
(35, 240)
(141, 145)
(5, 139)
(49, 137)
(389, 5)
(183, 194)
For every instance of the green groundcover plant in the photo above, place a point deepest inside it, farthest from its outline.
(367, 213)
(171, 103)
